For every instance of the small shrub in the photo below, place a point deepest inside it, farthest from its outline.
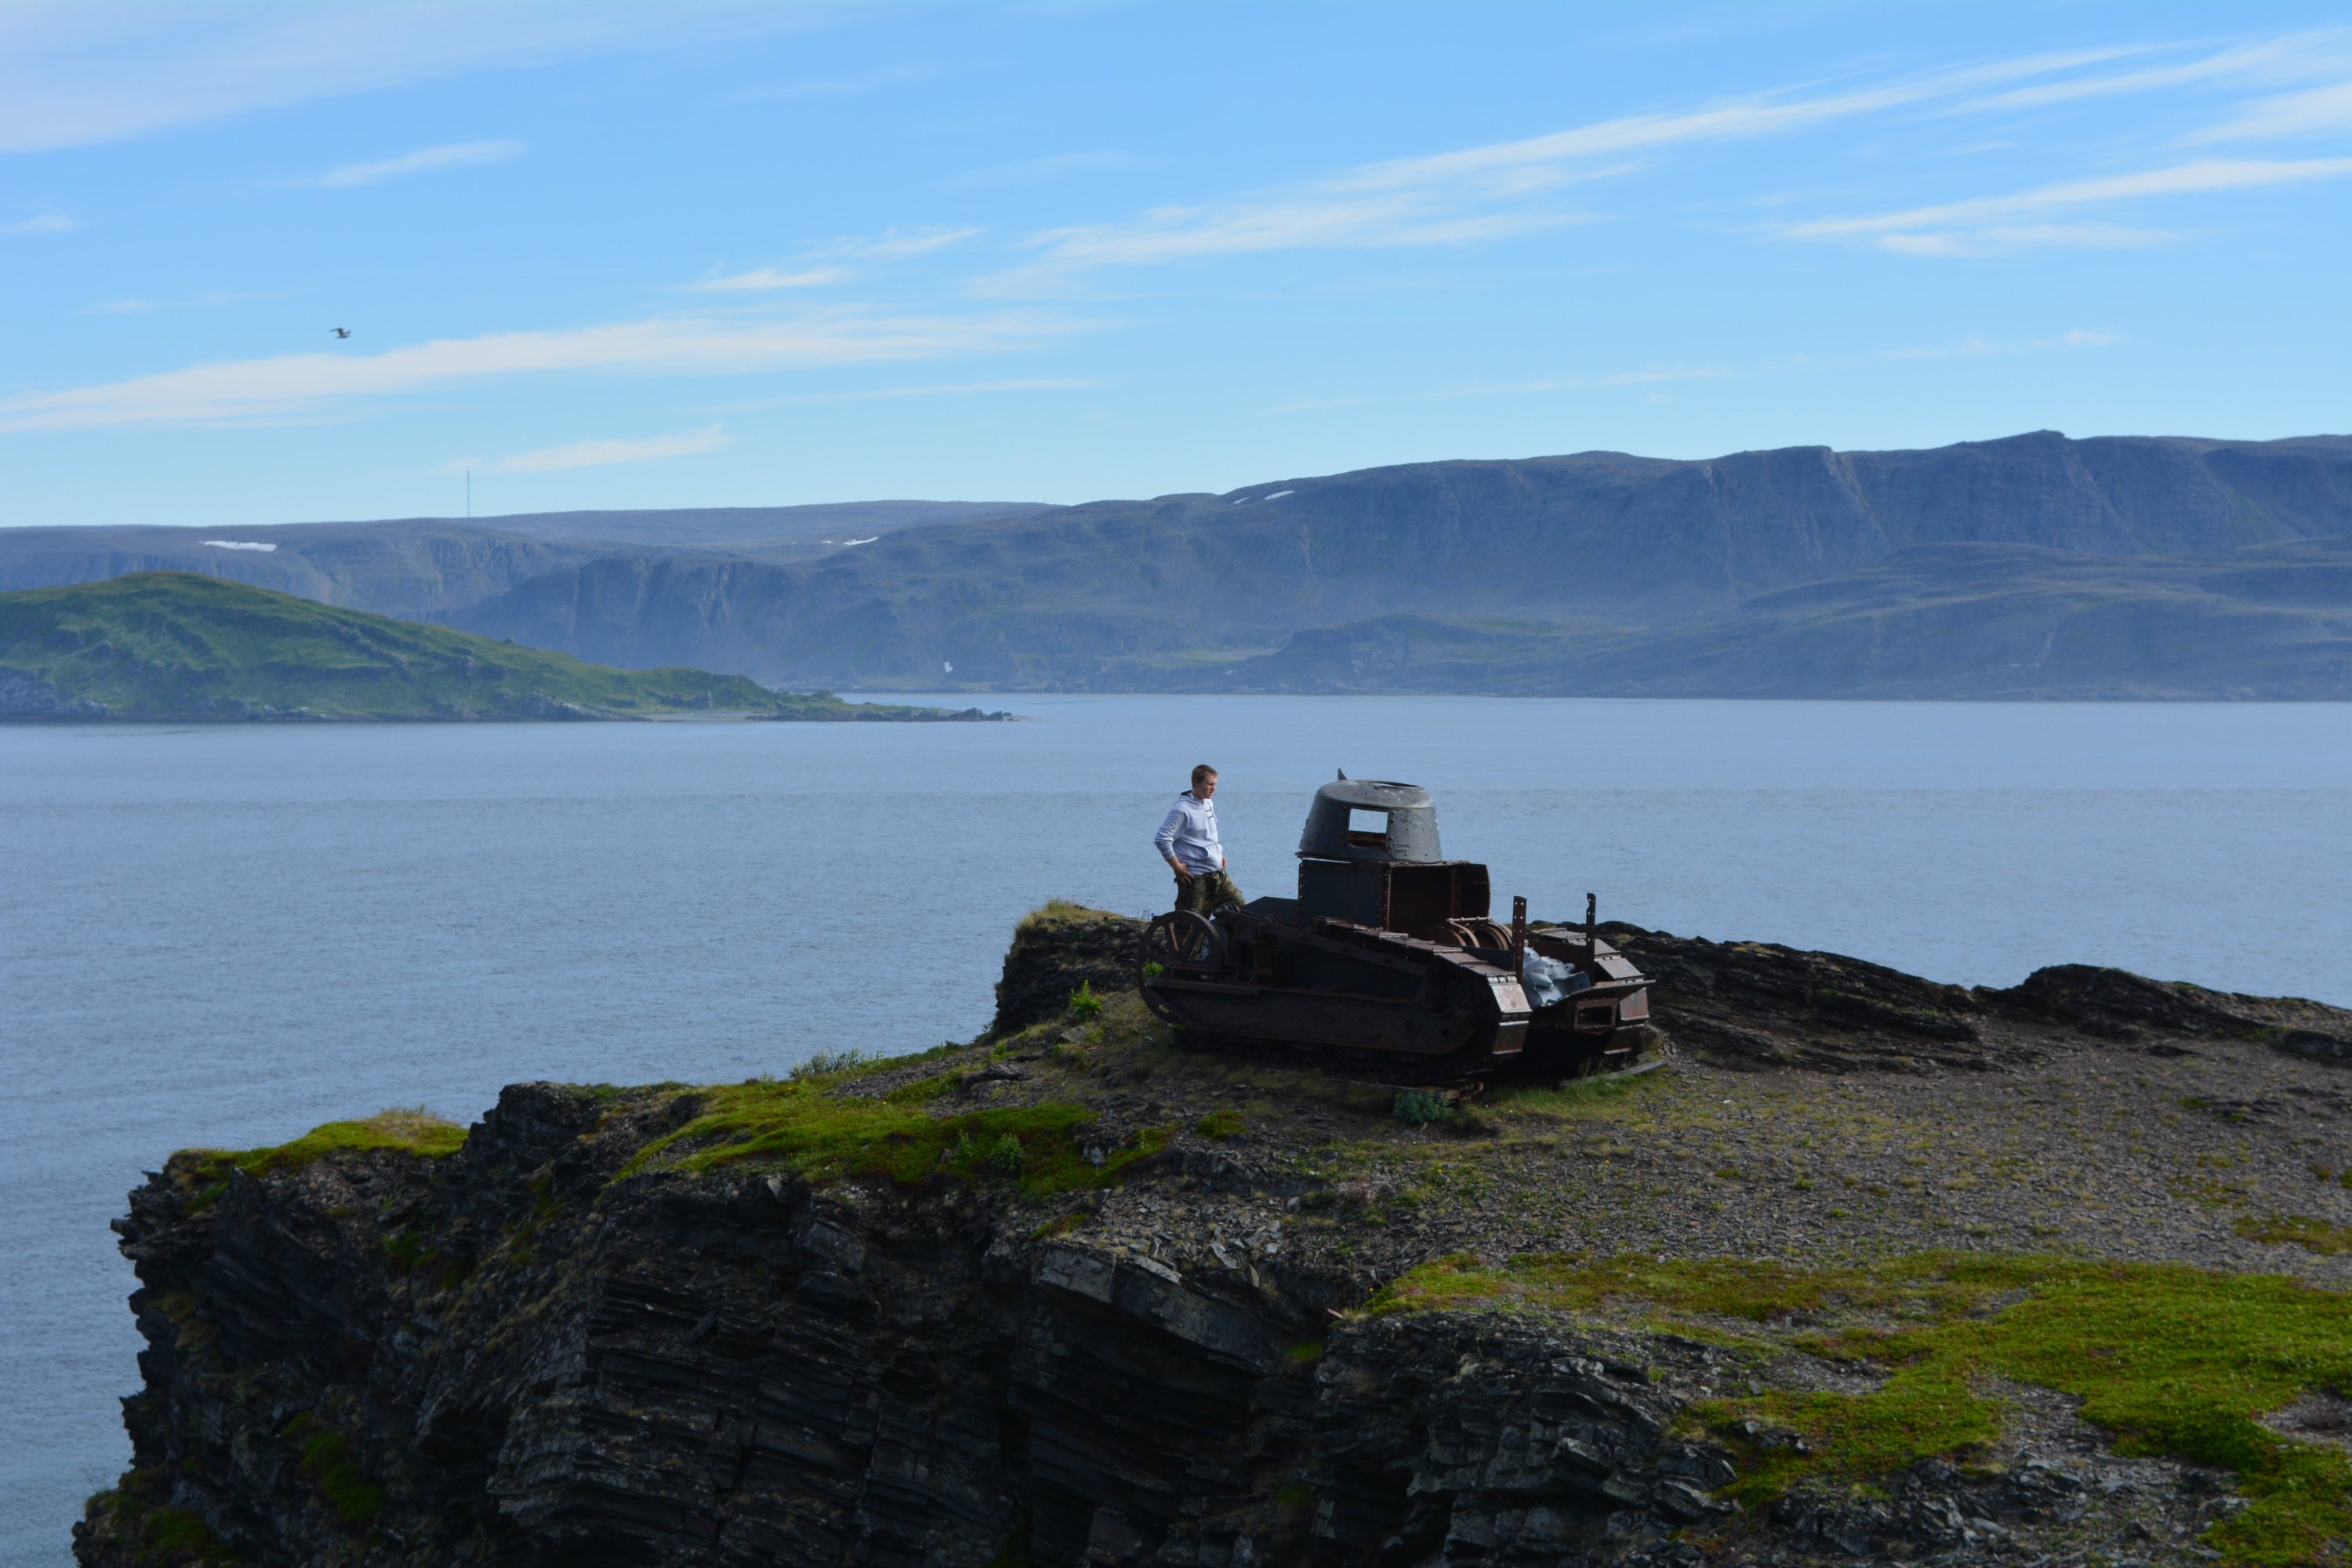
(1220, 1125)
(1417, 1107)
(1084, 1003)
(1154, 971)
(824, 1064)
(1007, 1156)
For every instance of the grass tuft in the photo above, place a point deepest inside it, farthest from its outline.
(413, 1131)
(2298, 1230)
(1221, 1126)
(820, 1137)
(1058, 909)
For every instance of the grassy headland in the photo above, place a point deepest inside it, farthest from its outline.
(178, 645)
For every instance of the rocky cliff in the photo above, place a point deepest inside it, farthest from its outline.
(1079, 1293)
(2030, 566)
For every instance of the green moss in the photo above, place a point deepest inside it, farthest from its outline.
(149, 1533)
(414, 1131)
(1060, 910)
(2299, 1230)
(1569, 1098)
(824, 1137)
(1084, 1003)
(327, 1459)
(2171, 1359)
(1221, 1126)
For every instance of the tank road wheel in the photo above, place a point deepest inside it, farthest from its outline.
(1177, 943)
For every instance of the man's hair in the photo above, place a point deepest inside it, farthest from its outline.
(1203, 772)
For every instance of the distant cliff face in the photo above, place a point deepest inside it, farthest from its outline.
(405, 570)
(1535, 561)
(1076, 595)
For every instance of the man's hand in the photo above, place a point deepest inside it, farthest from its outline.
(1183, 876)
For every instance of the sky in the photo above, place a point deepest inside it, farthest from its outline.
(706, 253)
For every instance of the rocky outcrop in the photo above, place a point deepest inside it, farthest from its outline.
(24, 697)
(1754, 1003)
(1055, 951)
(523, 1354)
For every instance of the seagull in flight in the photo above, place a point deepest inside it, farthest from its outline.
(342, 332)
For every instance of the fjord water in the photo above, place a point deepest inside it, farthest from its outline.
(223, 936)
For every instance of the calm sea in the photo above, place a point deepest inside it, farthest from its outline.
(224, 936)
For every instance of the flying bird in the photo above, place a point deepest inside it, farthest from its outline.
(342, 332)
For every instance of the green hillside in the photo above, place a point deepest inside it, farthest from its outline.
(177, 644)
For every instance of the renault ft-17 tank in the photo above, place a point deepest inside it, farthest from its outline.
(1389, 956)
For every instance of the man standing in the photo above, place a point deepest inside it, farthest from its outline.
(1187, 840)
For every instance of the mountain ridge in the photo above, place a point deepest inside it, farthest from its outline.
(174, 645)
(1149, 593)
(1601, 538)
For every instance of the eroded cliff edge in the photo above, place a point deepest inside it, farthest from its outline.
(1074, 1293)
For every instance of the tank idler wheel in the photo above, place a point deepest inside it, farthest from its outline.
(1178, 942)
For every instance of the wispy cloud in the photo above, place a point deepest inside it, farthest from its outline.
(452, 155)
(768, 281)
(956, 389)
(1982, 348)
(42, 222)
(77, 72)
(601, 454)
(2296, 58)
(293, 384)
(2287, 117)
(215, 297)
(896, 245)
(1474, 195)
(836, 262)
(1984, 223)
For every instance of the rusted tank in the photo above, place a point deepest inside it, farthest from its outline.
(1390, 957)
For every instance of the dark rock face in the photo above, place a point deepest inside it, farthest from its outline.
(1053, 955)
(573, 1369)
(1760, 1005)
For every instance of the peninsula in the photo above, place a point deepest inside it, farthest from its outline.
(1871, 1270)
(181, 644)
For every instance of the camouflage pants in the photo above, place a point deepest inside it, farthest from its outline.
(1207, 892)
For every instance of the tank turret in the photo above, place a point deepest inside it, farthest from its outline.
(1371, 819)
(1369, 853)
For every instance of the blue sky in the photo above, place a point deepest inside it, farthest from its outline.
(719, 254)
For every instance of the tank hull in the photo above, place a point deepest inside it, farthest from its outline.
(1413, 1009)
(1389, 956)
